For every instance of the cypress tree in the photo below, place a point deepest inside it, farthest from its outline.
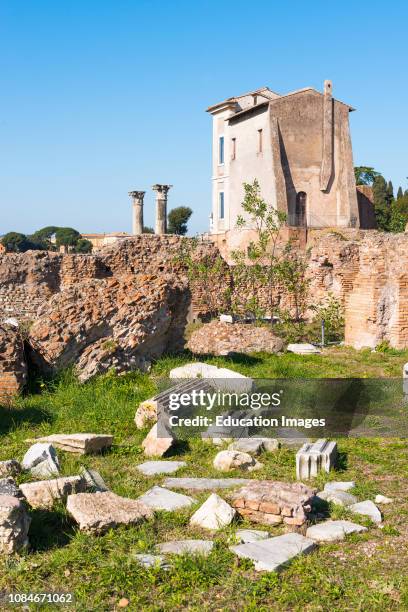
(390, 192)
(399, 193)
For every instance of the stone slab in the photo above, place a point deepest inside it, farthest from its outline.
(341, 498)
(223, 379)
(204, 484)
(182, 547)
(367, 508)
(245, 536)
(333, 531)
(152, 468)
(336, 485)
(274, 554)
(80, 443)
(101, 511)
(43, 493)
(303, 348)
(159, 498)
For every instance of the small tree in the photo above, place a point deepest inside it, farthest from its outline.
(292, 274)
(178, 219)
(399, 193)
(262, 253)
(148, 230)
(14, 242)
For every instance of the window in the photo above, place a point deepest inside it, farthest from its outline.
(259, 141)
(233, 148)
(221, 150)
(221, 203)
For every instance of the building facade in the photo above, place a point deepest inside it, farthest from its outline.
(297, 146)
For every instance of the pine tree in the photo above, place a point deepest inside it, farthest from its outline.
(399, 193)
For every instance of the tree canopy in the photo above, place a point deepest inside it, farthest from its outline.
(178, 219)
(365, 175)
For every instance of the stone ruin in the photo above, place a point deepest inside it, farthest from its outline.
(123, 306)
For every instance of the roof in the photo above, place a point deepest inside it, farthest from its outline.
(266, 93)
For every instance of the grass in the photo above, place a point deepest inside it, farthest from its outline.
(367, 571)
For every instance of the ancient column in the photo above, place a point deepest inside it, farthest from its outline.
(326, 168)
(161, 207)
(137, 212)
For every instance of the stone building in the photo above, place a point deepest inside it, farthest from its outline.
(297, 146)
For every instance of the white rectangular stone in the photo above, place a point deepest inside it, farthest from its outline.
(273, 554)
(204, 484)
(152, 468)
(302, 349)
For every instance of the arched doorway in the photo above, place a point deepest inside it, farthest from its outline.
(300, 211)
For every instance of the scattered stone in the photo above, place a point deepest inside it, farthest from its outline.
(9, 487)
(222, 338)
(146, 413)
(333, 531)
(14, 525)
(152, 468)
(214, 514)
(341, 498)
(231, 460)
(148, 561)
(223, 379)
(273, 554)
(81, 443)
(229, 430)
(226, 318)
(99, 512)
(271, 502)
(367, 508)
(93, 479)
(204, 484)
(182, 547)
(339, 486)
(253, 446)
(381, 499)
(245, 536)
(154, 446)
(216, 441)
(123, 602)
(303, 349)
(313, 458)
(43, 493)
(41, 459)
(158, 498)
(9, 468)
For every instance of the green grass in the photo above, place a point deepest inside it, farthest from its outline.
(367, 571)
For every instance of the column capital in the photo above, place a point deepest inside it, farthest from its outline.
(137, 195)
(162, 188)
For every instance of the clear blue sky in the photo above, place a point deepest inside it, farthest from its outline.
(100, 97)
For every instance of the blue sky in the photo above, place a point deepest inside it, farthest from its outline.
(101, 97)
